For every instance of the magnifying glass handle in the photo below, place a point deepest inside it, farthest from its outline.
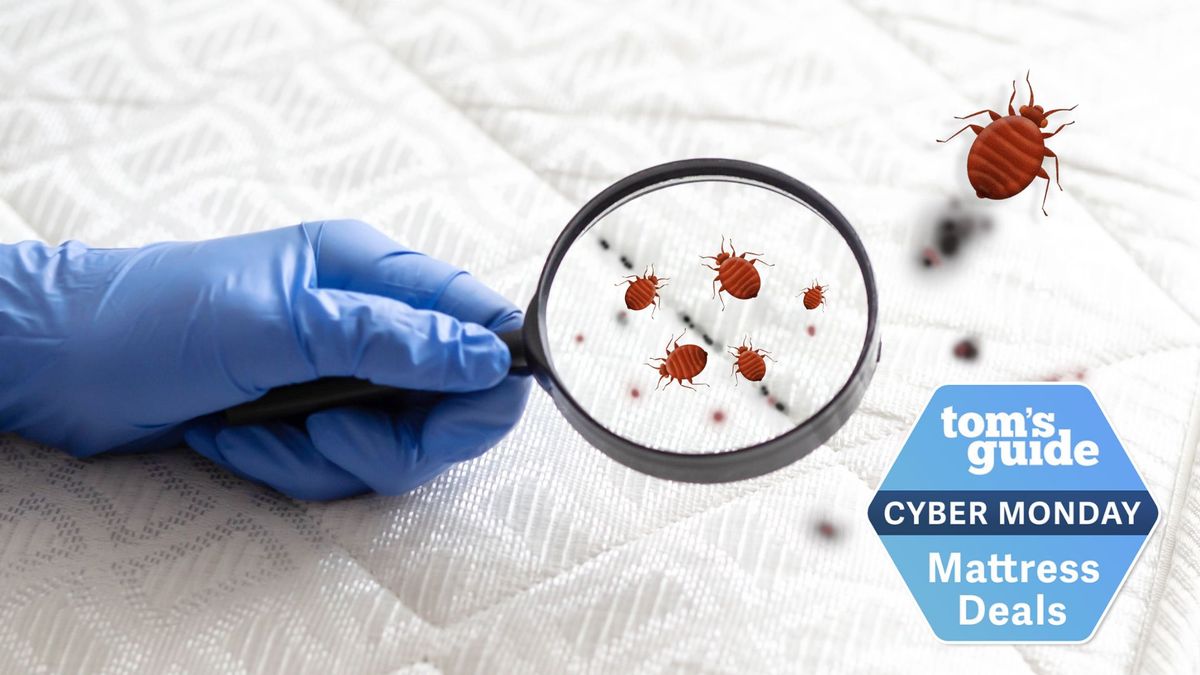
(295, 400)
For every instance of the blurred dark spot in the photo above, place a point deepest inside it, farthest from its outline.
(622, 317)
(604, 244)
(780, 406)
(634, 393)
(718, 416)
(954, 228)
(812, 330)
(579, 337)
(826, 529)
(950, 235)
(625, 261)
(707, 339)
(764, 390)
(966, 349)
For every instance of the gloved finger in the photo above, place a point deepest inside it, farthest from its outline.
(394, 454)
(464, 426)
(383, 449)
(202, 437)
(354, 256)
(278, 455)
(387, 342)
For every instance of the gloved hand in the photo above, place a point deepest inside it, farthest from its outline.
(132, 349)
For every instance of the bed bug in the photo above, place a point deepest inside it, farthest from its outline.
(749, 362)
(643, 291)
(681, 363)
(735, 272)
(1007, 154)
(814, 296)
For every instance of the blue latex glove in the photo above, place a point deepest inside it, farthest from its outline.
(132, 349)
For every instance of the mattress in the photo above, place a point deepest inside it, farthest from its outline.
(473, 131)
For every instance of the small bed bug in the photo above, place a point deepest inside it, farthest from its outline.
(681, 363)
(1007, 154)
(814, 296)
(643, 291)
(735, 272)
(749, 362)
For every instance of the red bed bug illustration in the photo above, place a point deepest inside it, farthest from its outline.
(681, 363)
(814, 296)
(750, 361)
(735, 272)
(1007, 154)
(643, 291)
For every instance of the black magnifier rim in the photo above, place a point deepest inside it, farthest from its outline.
(743, 463)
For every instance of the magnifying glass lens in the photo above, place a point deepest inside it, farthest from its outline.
(650, 307)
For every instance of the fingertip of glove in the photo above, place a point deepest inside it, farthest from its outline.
(487, 357)
(513, 319)
(465, 427)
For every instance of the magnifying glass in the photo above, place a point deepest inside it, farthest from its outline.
(705, 320)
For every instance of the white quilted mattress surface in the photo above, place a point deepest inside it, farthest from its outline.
(473, 131)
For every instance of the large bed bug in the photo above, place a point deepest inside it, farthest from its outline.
(750, 361)
(735, 272)
(814, 296)
(681, 363)
(1007, 154)
(643, 291)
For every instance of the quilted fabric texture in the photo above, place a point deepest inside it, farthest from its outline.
(473, 131)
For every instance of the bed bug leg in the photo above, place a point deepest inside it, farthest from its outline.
(1042, 173)
(1058, 110)
(1060, 128)
(676, 340)
(973, 127)
(692, 381)
(717, 292)
(757, 260)
(1057, 174)
(994, 115)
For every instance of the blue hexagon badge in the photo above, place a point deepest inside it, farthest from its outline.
(1013, 513)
